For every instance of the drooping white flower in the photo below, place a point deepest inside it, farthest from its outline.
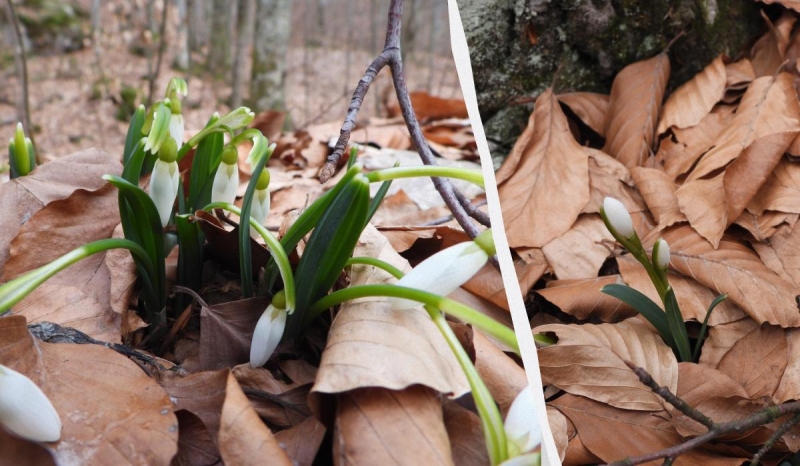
(259, 209)
(25, 410)
(267, 335)
(448, 269)
(661, 254)
(522, 423)
(165, 180)
(226, 180)
(176, 129)
(618, 217)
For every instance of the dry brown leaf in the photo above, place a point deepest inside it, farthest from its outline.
(284, 406)
(636, 96)
(502, 375)
(195, 444)
(757, 361)
(558, 427)
(583, 299)
(781, 191)
(768, 107)
(789, 386)
(737, 271)
(510, 164)
(739, 74)
(693, 298)
(613, 434)
(589, 360)
(20, 451)
(104, 399)
(703, 203)
(721, 338)
(768, 52)
(466, 435)
(302, 441)
(609, 178)
(691, 102)
(554, 166)
(227, 330)
(22, 197)
(658, 191)
(764, 226)
(379, 426)
(431, 107)
(786, 244)
(580, 252)
(243, 438)
(591, 108)
(201, 394)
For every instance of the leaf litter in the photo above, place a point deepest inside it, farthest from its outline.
(363, 376)
(710, 167)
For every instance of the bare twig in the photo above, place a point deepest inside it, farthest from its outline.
(774, 438)
(759, 418)
(390, 56)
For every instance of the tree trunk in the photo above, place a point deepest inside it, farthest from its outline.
(244, 39)
(219, 55)
(181, 60)
(270, 44)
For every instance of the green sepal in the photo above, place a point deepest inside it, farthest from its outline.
(644, 306)
(330, 246)
(134, 133)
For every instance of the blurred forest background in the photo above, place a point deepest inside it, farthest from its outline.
(90, 62)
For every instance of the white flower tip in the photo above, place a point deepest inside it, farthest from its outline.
(618, 217)
(661, 259)
(164, 183)
(226, 183)
(522, 423)
(25, 410)
(267, 335)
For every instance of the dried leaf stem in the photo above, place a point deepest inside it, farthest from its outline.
(458, 204)
(759, 418)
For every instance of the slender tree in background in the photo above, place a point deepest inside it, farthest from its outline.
(244, 38)
(23, 108)
(219, 54)
(198, 25)
(270, 44)
(181, 60)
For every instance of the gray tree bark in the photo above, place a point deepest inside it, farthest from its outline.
(245, 13)
(270, 44)
(219, 54)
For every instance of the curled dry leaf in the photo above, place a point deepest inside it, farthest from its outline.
(757, 361)
(552, 166)
(658, 191)
(786, 245)
(380, 426)
(589, 360)
(466, 435)
(510, 164)
(581, 251)
(201, 394)
(691, 102)
(243, 437)
(768, 52)
(721, 338)
(735, 270)
(227, 331)
(781, 191)
(591, 108)
(104, 399)
(583, 299)
(609, 178)
(704, 204)
(195, 444)
(789, 386)
(558, 427)
(302, 441)
(636, 96)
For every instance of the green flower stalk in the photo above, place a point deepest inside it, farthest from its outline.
(232, 121)
(21, 155)
(472, 176)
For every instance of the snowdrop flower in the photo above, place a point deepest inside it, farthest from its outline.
(226, 180)
(618, 218)
(259, 209)
(661, 254)
(232, 121)
(25, 410)
(165, 180)
(522, 424)
(448, 269)
(269, 331)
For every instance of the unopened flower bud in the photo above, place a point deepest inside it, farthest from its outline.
(25, 410)
(661, 254)
(618, 218)
(269, 331)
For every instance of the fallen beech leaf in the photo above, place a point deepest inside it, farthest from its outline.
(781, 191)
(764, 226)
(636, 96)
(768, 52)
(510, 164)
(613, 434)
(195, 444)
(17, 450)
(591, 108)
(243, 438)
(739, 74)
(302, 441)
(503, 377)
(735, 270)
(589, 360)
(786, 245)
(22, 197)
(693, 298)
(558, 427)
(721, 338)
(554, 166)
(691, 102)
(703, 203)
(658, 191)
(280, 404)
(580, 252)
(583, 300)
(104, 399)
(609, 178)
(488, 282)
(757, 361)
(380, 426)
(467, 444)
(789, 386)
(201, 394)
(227, 330)
(768, 107)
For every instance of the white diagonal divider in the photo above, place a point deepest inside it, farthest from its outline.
(519, 316)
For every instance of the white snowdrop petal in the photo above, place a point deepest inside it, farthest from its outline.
(522, 423)
(618, 217)
(267, 335)
(259, 209)
(662, 259)
(443, 272)
(176, 128)
(25, 410)
(226, 183)
(163, 189)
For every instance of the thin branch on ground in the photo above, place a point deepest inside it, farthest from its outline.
(390, 56)
(759, 418)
